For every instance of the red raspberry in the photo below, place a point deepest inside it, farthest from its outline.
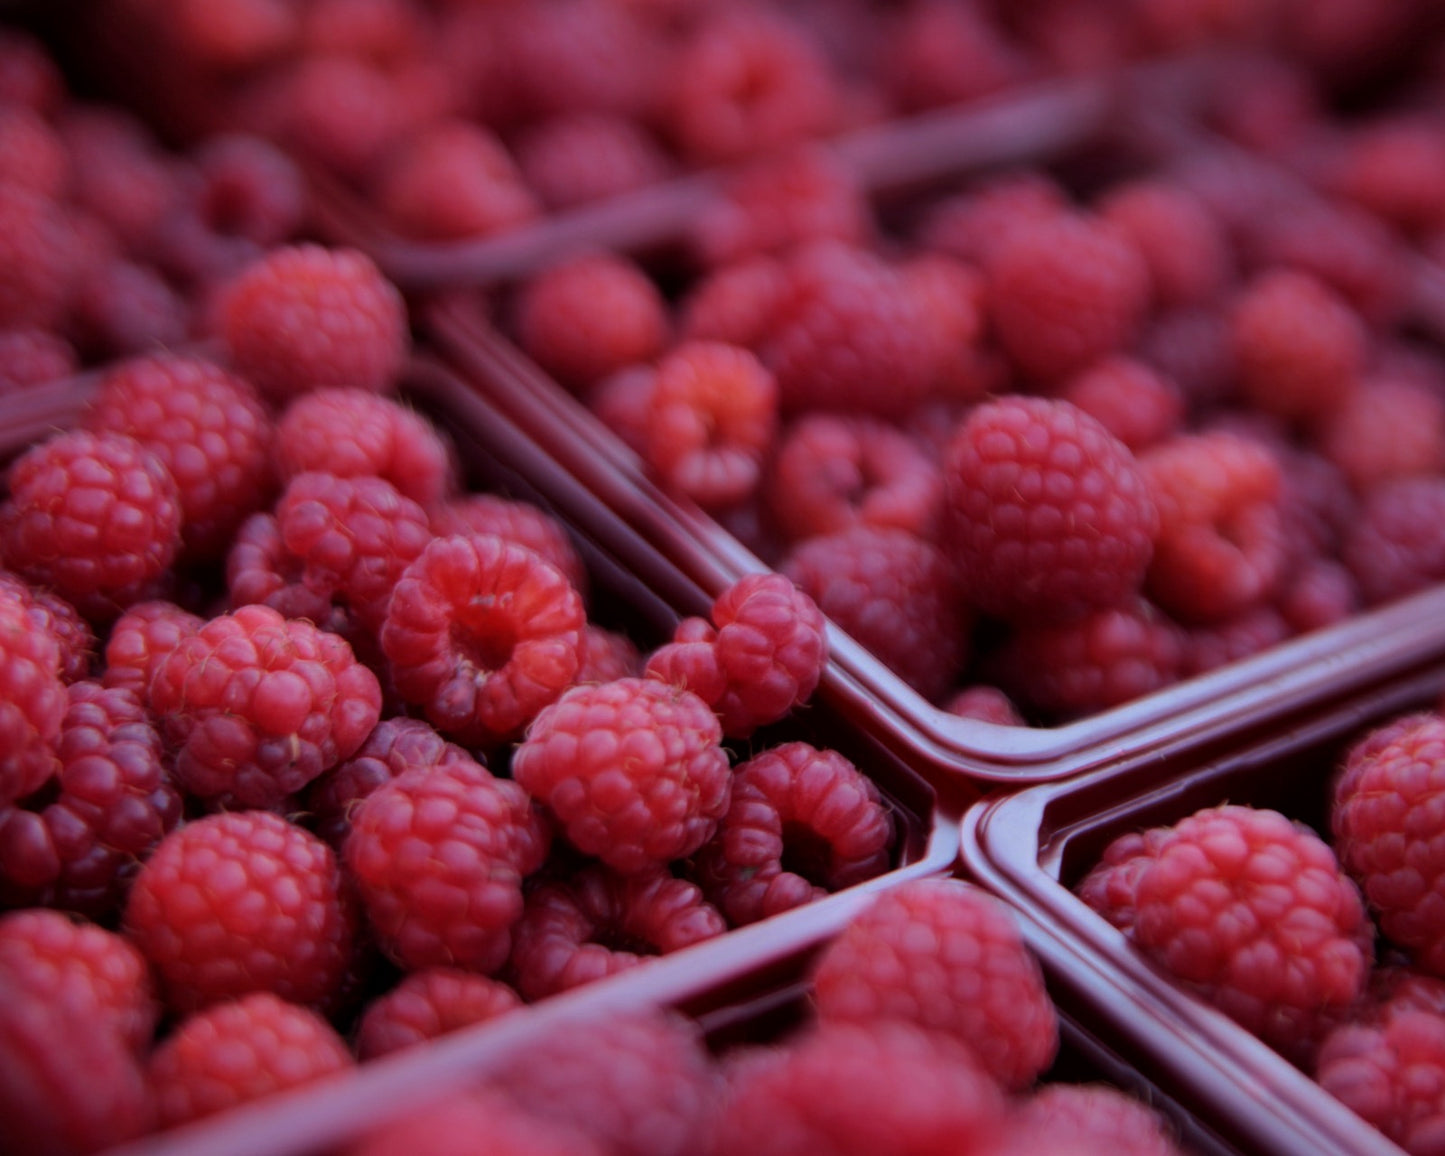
(1048, 514)
(250, 189)
(736, 303)
(33, 356)
(590, 316)
(388, 32)
(260, 570)
(970, 226)
(986, 704)
(438, 855)
(895, 594)
(242, 902)
(1098, 1117)
(623, 402)
(802, 822)
(1186, 249)
(1077, 668)
(1191, 348)
(1112, 885)
(239, 36)
(850, 1090)
(351, 433)
(120, 308)
(567, 933)
(304, 317)
(55, 616)
(1390, 1074)
(514, 521)
(35, 157)
(649, 783)
(587, 156)
(119, 174)
(1298, 347)
(452, 181)
(1133, 402)
(936, 54)
(427, 1004)
(1396, 546)
(209, 429)
(483, 634)
(952, 296)
(78, 845)
(139, 641)
(40, 256)
(713, 416)
(258, 705)
(455, 1125)
(942, 954)
(239, 1052)
(608, 656)
(1389, 427)
(1066, 290)
(832, 472)
(95, 516)
(1221, 643)
(1319, 593)
(1395, 168)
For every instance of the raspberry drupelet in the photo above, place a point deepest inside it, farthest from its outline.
(1136, 404)
(429, 1003)
(1396, 544)
(1389, 1073)
(1099, 1116)
(578, 158)
(139, 641)
(514, 521)
(1184, 246)
(736, 303)
(32, 700)
(1390, 427)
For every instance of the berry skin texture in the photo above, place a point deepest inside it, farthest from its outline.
(810, 808)
(633, 770)
(303, 317)
(582, 157)
(427, 1004)
(1048, 514)
(139, 641)
(438, 855)
(239, 1052)
(1390, 1074)
(1134, 403)
(1396, 544)
(258, 705)
(240, 902)
(32, 700)
(943, 955)
(482, 634)
(515, 521)
(459, 1124)
(1388, 428)
(1100, 1116)
(986, 704)
(1184, 246)
(94, 516)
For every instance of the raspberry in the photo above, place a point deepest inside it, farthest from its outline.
(258, 705)
(40, 258)
(970, 226)
(427, 1004)
(242, 902)
(986, 704)
(608, 656)
(208, 428)
(119, 174)
(1396, 545)
(598, 923)
(55, 616)
(1103, 660)
(239, 1052)
(1390, 1074)
(1191, 348)
(520, 523)
(35, 157)
(1112, 885)
(1184, 246)
(1048, 514)
(1099, 1116)
(943, 955)
(849, 1089)
(453, 180)
(33, 356)
(438, 855)
(351, 433)
(1249, 632)
(736, 303)
(590, 316)
(139, 641)
(455, 1126)
(1133, 402)
(483, 634)
(831, 472)
(388, 32)
(304, 317)
(649, 783)
(95, 516)
(1395, 168)
(1065, 290)
(802, 822)
(1298, 347)
(236, 37)
(1318, 594)
(623, 402)
(250, 189)
(713, 416)
(936, 54)
(895, 594)
(952, 296)
(78, 845)
(119, 308)
(586, 156)
(28, 75)
(1387, 428)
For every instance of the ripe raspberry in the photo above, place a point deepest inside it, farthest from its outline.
(1112, 885)
(1191, 348)
(120, 308)
(1389, 427)
(1249, 632)
(32, 705)
(239, 1052)
(1048, 514)
(736, 303)
(139, 641)
(1390, 1074)
(936, 54)
(1136, 404)
(1186, 249)
(304, 317)
(623, 402)
(942, 954)
(895, 594)
(849, 1089)
(970, 226)
(258, 705)
(250, 189)
(1395, 168)
(579, 158)
(1298, 347)
(802, 822)
(589, 316)
(119, 173)
(482, 633)
(35, 157)
(608, 656)
(209, 429)
(438, 855)
(455, 1126)
(454, 180)
(78, 845)
(831, 472)
(95, 516)
(1396, 545)
(1097, 1116)
(388, 32)
(427, 1004)
(1319, 593)
(55, 616)
(514, 521)
(649, 783)
(1066, 291)
(40, 256)
(33, 356)
(598, 923)
(986, 704)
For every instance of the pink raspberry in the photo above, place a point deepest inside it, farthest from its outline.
(649, 783)
(52, 614)
(896, 594)
(119, 173)
(1247, 633)
(952, 295)
(438, 855)
(427, 1004)
(250, 189)
(1111, 886)
(1048, 514)
(1185, 247)
(239, 1052)
(1191, 348)
(209, 429)
(802, 822)
(1395, 168)
(41, 258)
(1136, 404)
(35, 156)
(242, 902)
(567, 933)
(78, 845)
(454, 1125)
(942, 954)
(258, 705)
(1065, 291)
(736, 303)
(1098, 1117)
(971, 225)
(623, 402)
(514, 521)
(32, 705)
(986, 704)
(482, 634)
(348, 432)
(31, 356)
(1389, 427)
(1319, 593)
(139, 641)
(95, 516)
(936, 54)
(1389, 1074)
(587, 156)
(1396, 546)
(608, 655)
(304, 317)
(386, 31)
